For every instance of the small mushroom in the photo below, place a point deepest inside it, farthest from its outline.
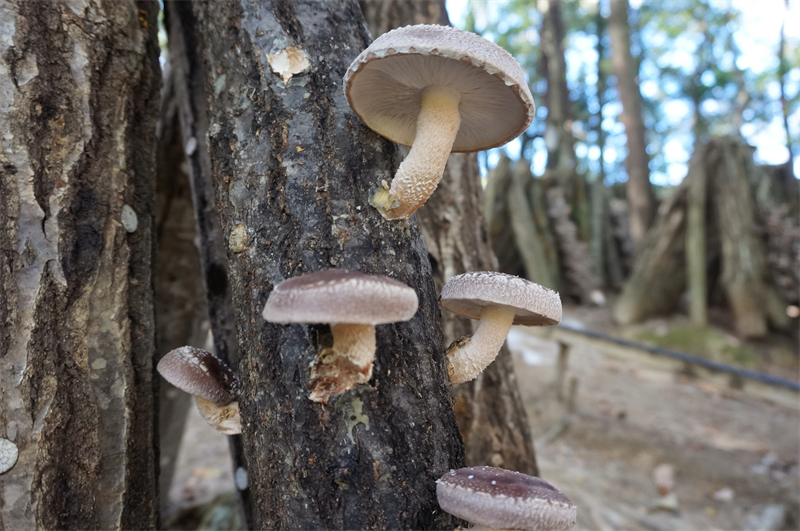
(8, 455)
(352, 303)
(498, 300)
(494, 498)
(210, 380)
(438, 90)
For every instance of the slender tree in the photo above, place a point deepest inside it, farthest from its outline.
(290, 168)
(639, 190)
(78, 109)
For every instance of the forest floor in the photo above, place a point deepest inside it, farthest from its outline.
(733, 457)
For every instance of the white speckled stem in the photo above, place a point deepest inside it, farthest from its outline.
(224, 419)
(420, 172)
(467, 361)
(355, 341)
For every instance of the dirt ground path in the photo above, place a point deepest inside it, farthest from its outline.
(734, 457)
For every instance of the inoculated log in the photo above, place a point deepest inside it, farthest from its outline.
(291, 172)
(78, 109)
(489, 410)
(527, 236)
(498, 218)
(751, 297)
(181, 314)
(659, 273)
(573, 252)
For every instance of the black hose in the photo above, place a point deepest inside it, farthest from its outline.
(695, 360)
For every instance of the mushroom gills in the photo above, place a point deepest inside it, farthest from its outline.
(468, 357)
(420, 172)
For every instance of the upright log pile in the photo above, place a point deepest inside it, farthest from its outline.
(727, 236)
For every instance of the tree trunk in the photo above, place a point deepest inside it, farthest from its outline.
(744, 262)
(386, 15)
(180, 303)
(78, 109)
(639, 190)
(529, 239)
(498, 218)
(489, 410)
(696, 251)
(292, 168)
(189, 81)
(659, 273)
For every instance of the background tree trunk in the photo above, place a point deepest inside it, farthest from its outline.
(78, 109)
(292, 168)
(490, 414)
(180, 300)
(639, 190)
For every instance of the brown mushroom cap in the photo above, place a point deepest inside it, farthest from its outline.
(468, 294)
(199, 373)
(340, 296)
(384, 85)
(504, 499)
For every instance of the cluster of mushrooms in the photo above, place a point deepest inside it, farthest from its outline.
(439, 90)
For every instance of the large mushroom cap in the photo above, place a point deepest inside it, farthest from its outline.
(340, 296)
(199, 373)
(385, 82)
(503, 499)
(469, 293)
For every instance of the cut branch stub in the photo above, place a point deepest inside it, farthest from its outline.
(438, 90)
(498, 300)
(352, 303)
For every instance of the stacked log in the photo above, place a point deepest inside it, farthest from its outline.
(708, 236)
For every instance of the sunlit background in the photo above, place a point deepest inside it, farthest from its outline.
(706, 68)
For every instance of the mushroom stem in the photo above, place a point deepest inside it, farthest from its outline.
(468, 357)
(224, 418)
(356, 342)
(346, 364)
(419, 174)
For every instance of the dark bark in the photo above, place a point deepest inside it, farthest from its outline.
(639, 190)
(78, 109)
(180, 301)
(292, 167)
(490, 414)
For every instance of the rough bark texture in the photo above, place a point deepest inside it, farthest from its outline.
(78, 109)
(292, 169)
(489, 410)
(639, 190)
(386, 15)
(190, 92)
(180, 300)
